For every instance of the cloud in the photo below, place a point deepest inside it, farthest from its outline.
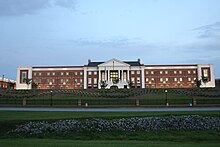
(23, 7)
(209, 31)
(66, 3)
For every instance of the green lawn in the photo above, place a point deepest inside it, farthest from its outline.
(8, 120)
(6, 116)
(100, 143)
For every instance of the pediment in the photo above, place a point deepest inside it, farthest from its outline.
(114, 62)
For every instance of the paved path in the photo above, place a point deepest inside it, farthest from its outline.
(113, 109)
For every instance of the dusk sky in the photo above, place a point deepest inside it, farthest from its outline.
(69, 32)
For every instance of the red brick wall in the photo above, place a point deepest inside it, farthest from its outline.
(57, 77)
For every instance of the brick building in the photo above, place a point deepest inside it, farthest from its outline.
(122, 74)
(6, 83)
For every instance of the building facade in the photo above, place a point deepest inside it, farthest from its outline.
(120, 74)
(6, 83)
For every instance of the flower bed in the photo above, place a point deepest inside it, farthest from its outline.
(188, 122)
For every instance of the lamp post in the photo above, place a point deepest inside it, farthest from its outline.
(51, 95)
(167, 104)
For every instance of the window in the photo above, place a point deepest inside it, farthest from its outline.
(189, 72)
(48, 74)
(132, 80)
(35, 81)
(147, 79)
(39, 81)
(89, 80)
(189, 79)
(75, 81)
(48, 81)
(180, 72)
(125, 76)
(67, 73)
(81, 80)
(61, 81)
(113, 75)
(61, 73)
(147, 72)
(152, 79)
(138, 80)
(161, 79)
(89, 73)
(23, 76)
(35, 73)
(53, 81)
(81, 73)
(152, 72)
(95, 80)
(181, 79)
(161, 72)
(174, 72)
(39, 73)
(103, 76)
(53, 73)
(194, 72)
(95, 72)
(67, 80)
(175, 79)
(167, 79)
(205, 72)
(166, 72)
(138, 72)
(132, 72)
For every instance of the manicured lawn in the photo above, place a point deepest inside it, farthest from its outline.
(15, 116)
(99, 143)
(8, 120)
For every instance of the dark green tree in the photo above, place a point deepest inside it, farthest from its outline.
(103, 84)
(28, 82)
(198, 83)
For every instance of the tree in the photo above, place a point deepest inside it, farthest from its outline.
(103, 84)
(198, 83)
(28, 82)
(115, 81)
(34, 85)
(130, 83)
(11, 85)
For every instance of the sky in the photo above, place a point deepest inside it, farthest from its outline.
(69, 32)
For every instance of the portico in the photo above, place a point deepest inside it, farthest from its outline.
(115, 73)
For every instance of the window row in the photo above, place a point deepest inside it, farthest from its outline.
(95, 81)
(61, 81)
(167, 79)
(138, 80)
(137, 72)
(90, 72)
(60, 73)
(174, 72)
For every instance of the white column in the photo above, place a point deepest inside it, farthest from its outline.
(122, 76)
(18, 78)
(212, 76)
(99, 80)
(105, 75)
(118, 74)
(108, 75)
(142, 77)
(128, 78)
(199, 71)
(85, 78)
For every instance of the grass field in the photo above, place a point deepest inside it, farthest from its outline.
(8, 120)
(100, 143)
